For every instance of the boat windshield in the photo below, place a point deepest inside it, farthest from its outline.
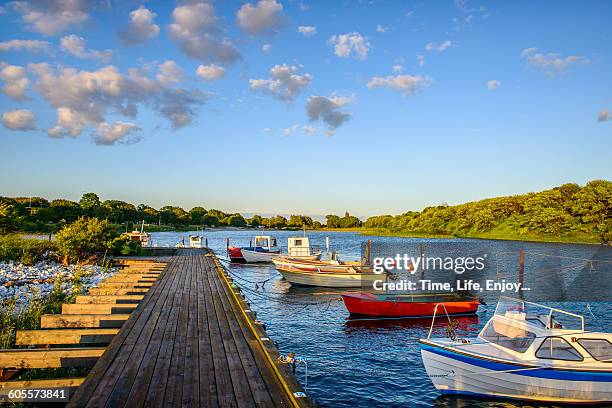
(541, 316)
(261, 242)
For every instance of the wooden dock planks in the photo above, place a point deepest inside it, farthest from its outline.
(188, 344)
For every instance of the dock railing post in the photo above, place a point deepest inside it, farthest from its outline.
(521, 271)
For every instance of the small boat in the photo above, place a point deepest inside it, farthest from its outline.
(195, 241)
(408, 305)
(264, 250)
(140, 236)
(299, 247)
(525, 351)
(331, 273)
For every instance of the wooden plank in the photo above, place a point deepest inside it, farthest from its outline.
(134, 380)
(245, 342)
(47, 383)
(116, 291)
(83, 321)
(50, 358)
(109, 299)
(238, 377)
(159, 376)
(94, 390)
(131, 277)
(125, 285)
(99, 308)
(65, 336)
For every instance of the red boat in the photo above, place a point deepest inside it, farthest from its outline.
(408, 305)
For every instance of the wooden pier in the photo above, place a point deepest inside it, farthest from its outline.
(179, 333)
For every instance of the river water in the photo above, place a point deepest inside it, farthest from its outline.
(372, 362)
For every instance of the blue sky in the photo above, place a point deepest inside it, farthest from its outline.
(411, 103)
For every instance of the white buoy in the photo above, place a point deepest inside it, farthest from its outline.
(327, 244)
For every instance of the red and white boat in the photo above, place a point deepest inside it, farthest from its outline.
(408, 305)
(264, 250)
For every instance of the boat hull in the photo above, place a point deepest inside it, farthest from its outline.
(458, 373)
(258, 256)
(368, 304)
(313, 265)
(235, 255)
(331, 280)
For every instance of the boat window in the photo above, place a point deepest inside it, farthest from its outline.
(273, 242)
(298, 242)
(261, 242)
(536, 321)
(509, 336)
(599, 349)
(556, 348)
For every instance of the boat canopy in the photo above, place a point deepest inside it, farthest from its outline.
(265, 241)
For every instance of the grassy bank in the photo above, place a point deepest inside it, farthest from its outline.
(573, 238)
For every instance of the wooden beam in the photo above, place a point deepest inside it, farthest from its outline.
(65, 336)
(86, 300)
(130, 278)
(82, 321)
(117, 291)
(121, 285)
(109, 308)
(50, 358)
(48, 384)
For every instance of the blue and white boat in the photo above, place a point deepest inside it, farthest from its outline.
(525, 351)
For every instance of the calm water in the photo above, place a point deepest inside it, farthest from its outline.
(369, 362)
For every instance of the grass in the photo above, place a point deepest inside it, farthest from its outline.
(500, 234)
(25, 251)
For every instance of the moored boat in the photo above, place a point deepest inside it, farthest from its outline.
(328, 273)
(140, 236)
(407, 305)
(525, 351)
(299, 247)
(264, 249)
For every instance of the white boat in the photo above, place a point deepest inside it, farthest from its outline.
(525, 351)
(140, 236)
(264, 250)
(195, 241)
(299, 247)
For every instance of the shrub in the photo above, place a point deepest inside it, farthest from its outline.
(123, 245)
(25, 251)
(85, 238)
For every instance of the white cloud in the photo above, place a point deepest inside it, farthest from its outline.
(309, 130)
(327, 109)
(169, 73)
(350, 43)
(406, 84)
(290, 130)
(604, 115)
(107, 134)
(284, 82)
(75, 45)
(85, 98)
(398, 68)
(420, 60)
(19, 119)
(308, 31)
(266, 48)
(196, 29)
(552, 63)
(210, 72)
(25, 45)
(381, 29)
(493, 84)
(15, 81)
(51, 17)
(264, 17)
(438, 47)
(140, 28)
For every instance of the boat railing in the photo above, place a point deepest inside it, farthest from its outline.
(507, 304)
(433, 320)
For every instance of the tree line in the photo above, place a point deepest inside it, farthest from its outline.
(564, 210)
(40, 214)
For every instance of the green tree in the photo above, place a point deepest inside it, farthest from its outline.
(84, 238)
(197, 215)
(333, 221)
(89, 203)
(236, 220)
(66, 209)
(255, 221)
(118, 211)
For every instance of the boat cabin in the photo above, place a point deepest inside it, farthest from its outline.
(265, 242)
(527, 331)
(195, 241)
(298, 246)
